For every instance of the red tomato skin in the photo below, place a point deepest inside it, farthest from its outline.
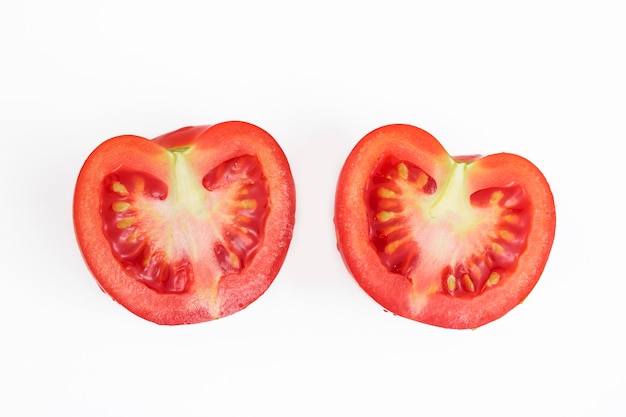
(428, 302)
(208, 297)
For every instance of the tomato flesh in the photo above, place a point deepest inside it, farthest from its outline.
(442, 240)
(190, 226)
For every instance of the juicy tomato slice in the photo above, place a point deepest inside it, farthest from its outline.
(451, 242)
(191, 226)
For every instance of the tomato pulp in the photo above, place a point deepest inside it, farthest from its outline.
(191, 226)
(451, 242)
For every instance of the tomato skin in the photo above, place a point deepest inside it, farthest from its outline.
(504, 272)
(207, 235)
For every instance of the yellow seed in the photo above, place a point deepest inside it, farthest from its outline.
(451, 283)
(391, 247)
(120, 206)
(234, 260)
(119, 188)
(511, 218)
(467, 283)
(132, 238)
(493, 279)
(384, 216)
(506, 235)
(475, 270)
(421, 181)
(243, 191)
(124, 223)
(403, 171)
(248, 204)
(244, 229)
(497, 248)
(496, 197)
(386, 193)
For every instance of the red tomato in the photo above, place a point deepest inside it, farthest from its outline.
(451, 242)
(189, 227)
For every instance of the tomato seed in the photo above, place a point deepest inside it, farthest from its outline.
(493, 279)
(468, 284)
(119, 188)
(124, 223)
(120, 206)
(451, 282)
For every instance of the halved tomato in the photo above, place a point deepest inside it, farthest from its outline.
(451, 242)
(189, 227)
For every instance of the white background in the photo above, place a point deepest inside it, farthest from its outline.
(544, 79)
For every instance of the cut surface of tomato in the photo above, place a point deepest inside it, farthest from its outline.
(451, 242)
(188, 227)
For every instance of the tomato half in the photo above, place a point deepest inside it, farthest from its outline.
(451, 242)
(189, 227)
